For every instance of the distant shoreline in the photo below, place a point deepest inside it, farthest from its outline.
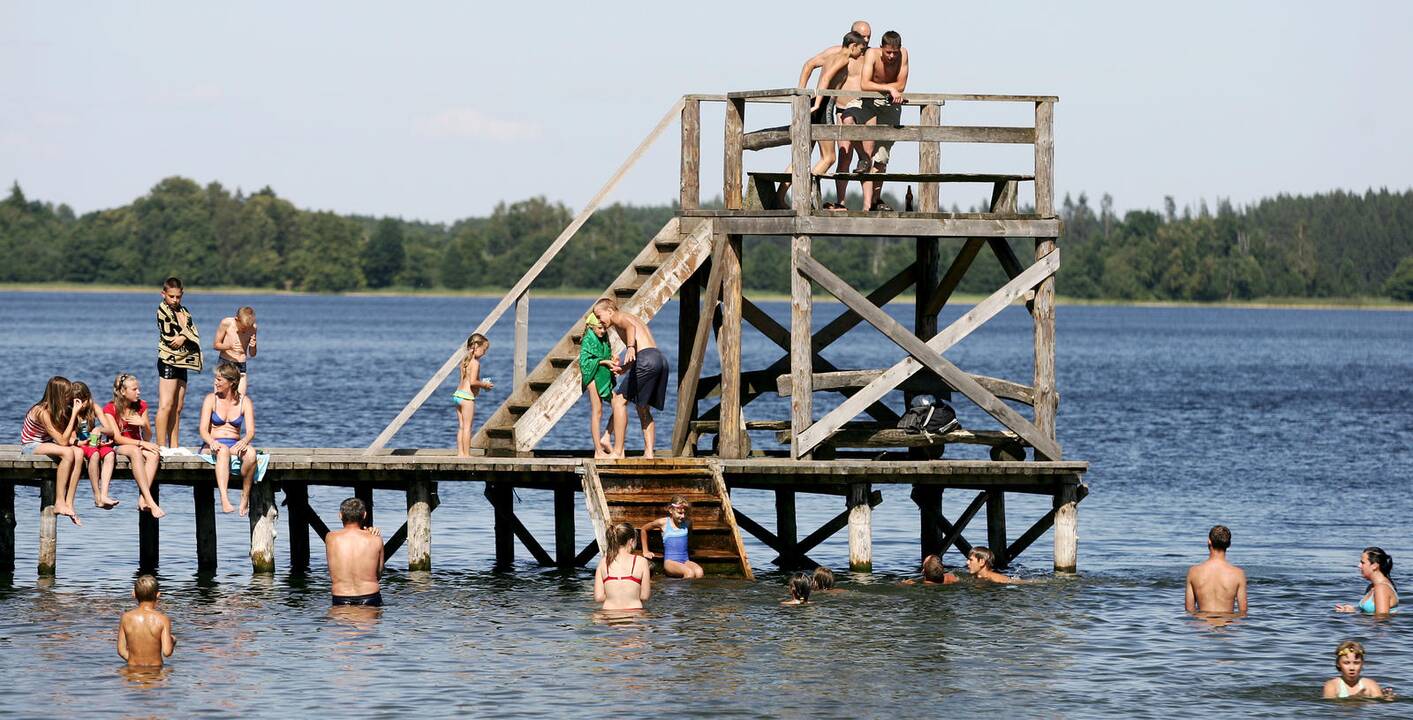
(1352, 303)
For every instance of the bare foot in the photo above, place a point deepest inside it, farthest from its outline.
(158, 512)
(647, 454)
(606, 444)
(70, 514)
(98, 503)
(226, 505)
(244, 508)
(141, 504)
(110, 503)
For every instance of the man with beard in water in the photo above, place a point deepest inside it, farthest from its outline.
(355, 557)
(1216, 585)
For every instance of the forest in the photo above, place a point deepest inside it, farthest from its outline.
(1332, 245)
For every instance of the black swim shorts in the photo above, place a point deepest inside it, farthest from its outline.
(645, 383)
(170, 372)
(373, 599)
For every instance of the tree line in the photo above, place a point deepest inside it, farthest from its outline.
(1321, 246)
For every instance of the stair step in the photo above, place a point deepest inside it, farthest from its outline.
(646, 268)
(517, 409)
(660, 497)
(539, 386)
(561, 362)
(667, 246)
(498, 431)
(625, 292)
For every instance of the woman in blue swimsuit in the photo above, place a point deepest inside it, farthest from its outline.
(227, 427)
(675, 530)
(1381, 597)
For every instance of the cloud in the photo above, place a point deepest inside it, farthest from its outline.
(472, 123)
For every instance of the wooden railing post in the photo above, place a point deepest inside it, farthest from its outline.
(1045, 159)
(522, 339)
(731, 165)
(929, 160)
(730, 439)
(691, 197)
(1044, 306)
(801, 347)
(801, 180)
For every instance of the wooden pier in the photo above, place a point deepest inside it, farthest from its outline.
(696, 257)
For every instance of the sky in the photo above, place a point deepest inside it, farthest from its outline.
(440, 110)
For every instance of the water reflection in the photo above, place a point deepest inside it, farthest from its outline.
(145, 678)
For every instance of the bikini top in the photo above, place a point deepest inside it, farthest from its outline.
(237, 422)
(1344, 688)
(607, 577)
(1367, 604)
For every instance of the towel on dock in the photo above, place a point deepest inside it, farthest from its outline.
(262, 461)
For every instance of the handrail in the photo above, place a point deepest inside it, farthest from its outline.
(784, 94)
(525, 281)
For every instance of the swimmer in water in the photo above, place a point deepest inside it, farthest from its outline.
(1349, 661)
(799, 590)
(979, 564)
(145, 633)
(620, 581)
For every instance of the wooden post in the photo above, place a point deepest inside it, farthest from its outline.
(860, 528)
(7, 533)
(731, 435)
(929, 502)
(1045, 158)
(691, 197)
(801, 347)
(203, 501)
(1066, 528)
(297, 505)
(522, 340)
(264, 515)
(365, 493)
(929, 161)
(785, 530)
(148, 541)
(996, 526)
(564, 543)
(929, 269)
(731, 165)
(419, 525)
(801, 180)
(1044, 319)
(500, 497)
(48, 529)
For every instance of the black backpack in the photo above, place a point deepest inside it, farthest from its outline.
(936, 419)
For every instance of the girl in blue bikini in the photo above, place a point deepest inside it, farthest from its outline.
(466, 391)
(675, 528)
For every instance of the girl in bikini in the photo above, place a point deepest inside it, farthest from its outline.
(92, 438)
(227, 427)
(1349, 661)
(466, 391)
(48, 429)
(621, 582)
(127, 423)
(675, 528)
(1381, 597)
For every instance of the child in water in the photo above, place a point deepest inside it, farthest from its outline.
(799, 589)
(675, 528)
(979, 563)
(91, 436)
(935, 573)
(145, 633)
(632, 581)
(822, 579)
(1349, 661)
(466, 391)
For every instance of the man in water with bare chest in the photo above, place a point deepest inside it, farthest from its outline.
(1215, 585)
(355, 556)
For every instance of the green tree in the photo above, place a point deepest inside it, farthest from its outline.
(1399, 285)
(384, 255)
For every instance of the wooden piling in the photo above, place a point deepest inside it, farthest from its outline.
(419, 525)
(365, 493)
(860, 528)
(731, 435)
(48, 529)
(264, 515)
(734, 147)
(501, 496)
(297, 506)
(564, 542)
(801, 347)
(1066, 528)
(148, 539)
(7, 532)
(929, 502)
(785, 528)
(996, 526)
(203, 500)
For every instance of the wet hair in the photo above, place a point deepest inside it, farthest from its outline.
(892, 39)
(1348, 647)
(172, 283)
(619, 537)
(120, 403)
(231, 374)
(80, 391)
(983, 554)
(853, 38)
(606, 303)
(680, 501)
(473, 343)
(57, 393)
(933, 570)
(1220, 537)
(352, 510)
(800, 587)
(145, 588)
(1378, 557)
(822, 578)
(245, 317)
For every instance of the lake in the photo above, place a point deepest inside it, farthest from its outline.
(1293, 427)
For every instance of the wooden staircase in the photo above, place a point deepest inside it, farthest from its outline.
(649, 281)
(637, 492)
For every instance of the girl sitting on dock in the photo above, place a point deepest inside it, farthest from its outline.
(227, 427)
(466, 391)
(1381, 597)
(979, 564)
(48, 429)
(675, 528)
(128, 424)
(596, 368)
(621, 582)
(91, 436)
(1349, 661)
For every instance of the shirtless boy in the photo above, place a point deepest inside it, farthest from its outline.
(840, 68)
(235, 341)
(355, 556)
(885, 70)
(1215, 585)
(145, 633)
(645, 374)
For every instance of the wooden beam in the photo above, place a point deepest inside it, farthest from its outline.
(264, 518)
(764, 138)
(525, 280)
(840, 224)
(587, 554)
(833, 525)
(316, 523)
(149, 538)
(745, 522)
(915, 133)
(963, 326)
(918, 177)
(7, 532)
(801, 182)
(920, 383)
(394, 542)
(954, 532)
(929, 161)
(731, 438)
(785, 526)
(996, 527)
(564, 527)
(928, 499)
(800, 347)
(529, 541)
(1045, 158)
(522, 339)
(500, 497)
(733, 146)
(691, 174)
(689, 311)
(687, 389)
(1066, 528)
(296, 507)
(1031, 535)
(48, 529)
(891, 437)
(419, 526)
(860, 528)
(365, 493)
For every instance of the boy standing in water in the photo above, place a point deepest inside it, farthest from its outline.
(1216, 585)
(178, 350)
(145, 633)
(645, 369)
(235, 341)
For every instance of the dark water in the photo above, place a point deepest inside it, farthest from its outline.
(1291, 426)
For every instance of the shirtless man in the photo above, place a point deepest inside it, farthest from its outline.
(645, 374)
(885, 70)
(1215, 585)
(828, 61)
(235, 341)
(145, 633)
(355, 557)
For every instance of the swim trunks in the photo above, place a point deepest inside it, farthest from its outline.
(238, 365)
(825, 114)
(170, 372)
(102, 450)
(889, 115)
(645, 383)
(854, 110)
(373, 599)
